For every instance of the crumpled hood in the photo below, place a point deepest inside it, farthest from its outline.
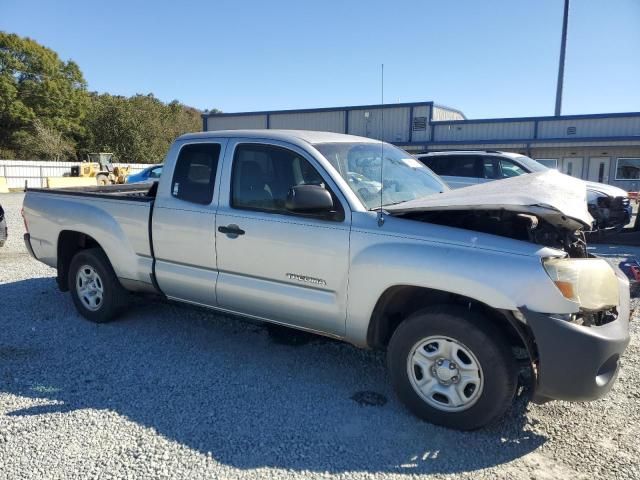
(559, 199)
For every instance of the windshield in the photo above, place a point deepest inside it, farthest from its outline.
(405, 178)
(531, 164)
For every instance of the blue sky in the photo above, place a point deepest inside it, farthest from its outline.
(490, 58)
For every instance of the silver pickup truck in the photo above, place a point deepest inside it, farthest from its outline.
(355, 239)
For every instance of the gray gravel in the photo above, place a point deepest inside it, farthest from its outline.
(174, 392)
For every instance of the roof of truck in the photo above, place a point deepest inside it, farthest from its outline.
(308, 136)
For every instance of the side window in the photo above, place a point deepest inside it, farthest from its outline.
(461, 166)
(155, 172)
(195, 173)
(490, 168)
(433, 163)
(510, 169)
(548, 162)
(262, 176)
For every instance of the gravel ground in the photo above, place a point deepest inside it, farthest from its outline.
(174, 392)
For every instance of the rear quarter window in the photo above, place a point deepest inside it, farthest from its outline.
(195, 173)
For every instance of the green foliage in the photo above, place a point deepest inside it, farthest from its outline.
(138, 129)
(36, 84)
(45, 142)
(46, 111)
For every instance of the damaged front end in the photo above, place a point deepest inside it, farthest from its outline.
(545, 208)
(504, 223)
(574, 352)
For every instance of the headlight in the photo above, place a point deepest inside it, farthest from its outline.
(590, 282)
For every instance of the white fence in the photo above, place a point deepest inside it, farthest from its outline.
(35, 172)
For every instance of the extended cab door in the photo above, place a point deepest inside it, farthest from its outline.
(274, 264)
(183, 222)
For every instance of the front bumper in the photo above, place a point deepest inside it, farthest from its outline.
(578, 363)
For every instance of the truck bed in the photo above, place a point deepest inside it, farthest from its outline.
(137, 192)
(116, 217)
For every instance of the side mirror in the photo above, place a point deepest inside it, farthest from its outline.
(309, 199)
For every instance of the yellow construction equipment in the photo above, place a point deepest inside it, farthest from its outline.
(100, 166)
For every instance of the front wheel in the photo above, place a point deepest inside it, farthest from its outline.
(95, 289)
(452, 367)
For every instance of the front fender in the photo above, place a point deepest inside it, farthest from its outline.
(498, 279)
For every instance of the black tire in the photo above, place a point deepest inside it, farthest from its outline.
(102, 179)
(114, 296)
(477, 334)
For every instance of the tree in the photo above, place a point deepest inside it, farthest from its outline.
(36, 84)
(46, 142)
(46, 111)
(137, 129)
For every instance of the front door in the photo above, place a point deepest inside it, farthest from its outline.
(183, 224)
(274, 264)
(599, 169)
(572, 166)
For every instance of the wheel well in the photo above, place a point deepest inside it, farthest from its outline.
(399, 302)
(70, 243)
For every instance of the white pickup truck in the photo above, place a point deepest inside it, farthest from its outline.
(355, 239)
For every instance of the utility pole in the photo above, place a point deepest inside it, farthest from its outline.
(563, 48)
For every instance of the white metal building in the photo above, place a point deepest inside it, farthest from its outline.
(601, 147)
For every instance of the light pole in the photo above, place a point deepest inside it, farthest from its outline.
(563, 48)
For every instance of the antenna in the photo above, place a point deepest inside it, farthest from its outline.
(380, 217)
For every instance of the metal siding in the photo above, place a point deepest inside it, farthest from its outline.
(593, 127)
(396, 124)
(484, 131)
(592, 143)
(239, 122)
(421, 136)
(320, 121)
(325, 109)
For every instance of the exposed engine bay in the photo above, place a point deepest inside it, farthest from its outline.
(519, 226)
(545, 208)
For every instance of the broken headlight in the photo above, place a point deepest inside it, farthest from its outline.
(590, 282)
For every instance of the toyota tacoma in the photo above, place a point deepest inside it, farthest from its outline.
(355, 239)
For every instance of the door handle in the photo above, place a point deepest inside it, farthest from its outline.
(231, 230)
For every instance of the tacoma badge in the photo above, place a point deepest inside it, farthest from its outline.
(304, 278)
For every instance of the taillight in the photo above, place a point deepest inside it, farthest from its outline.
(24, 219)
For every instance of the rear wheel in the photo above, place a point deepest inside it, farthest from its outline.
(95, 289)
(102, 179)
(452, 367)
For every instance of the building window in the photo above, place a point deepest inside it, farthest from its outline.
(548, 162)
(571, 130)
(628, 169)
